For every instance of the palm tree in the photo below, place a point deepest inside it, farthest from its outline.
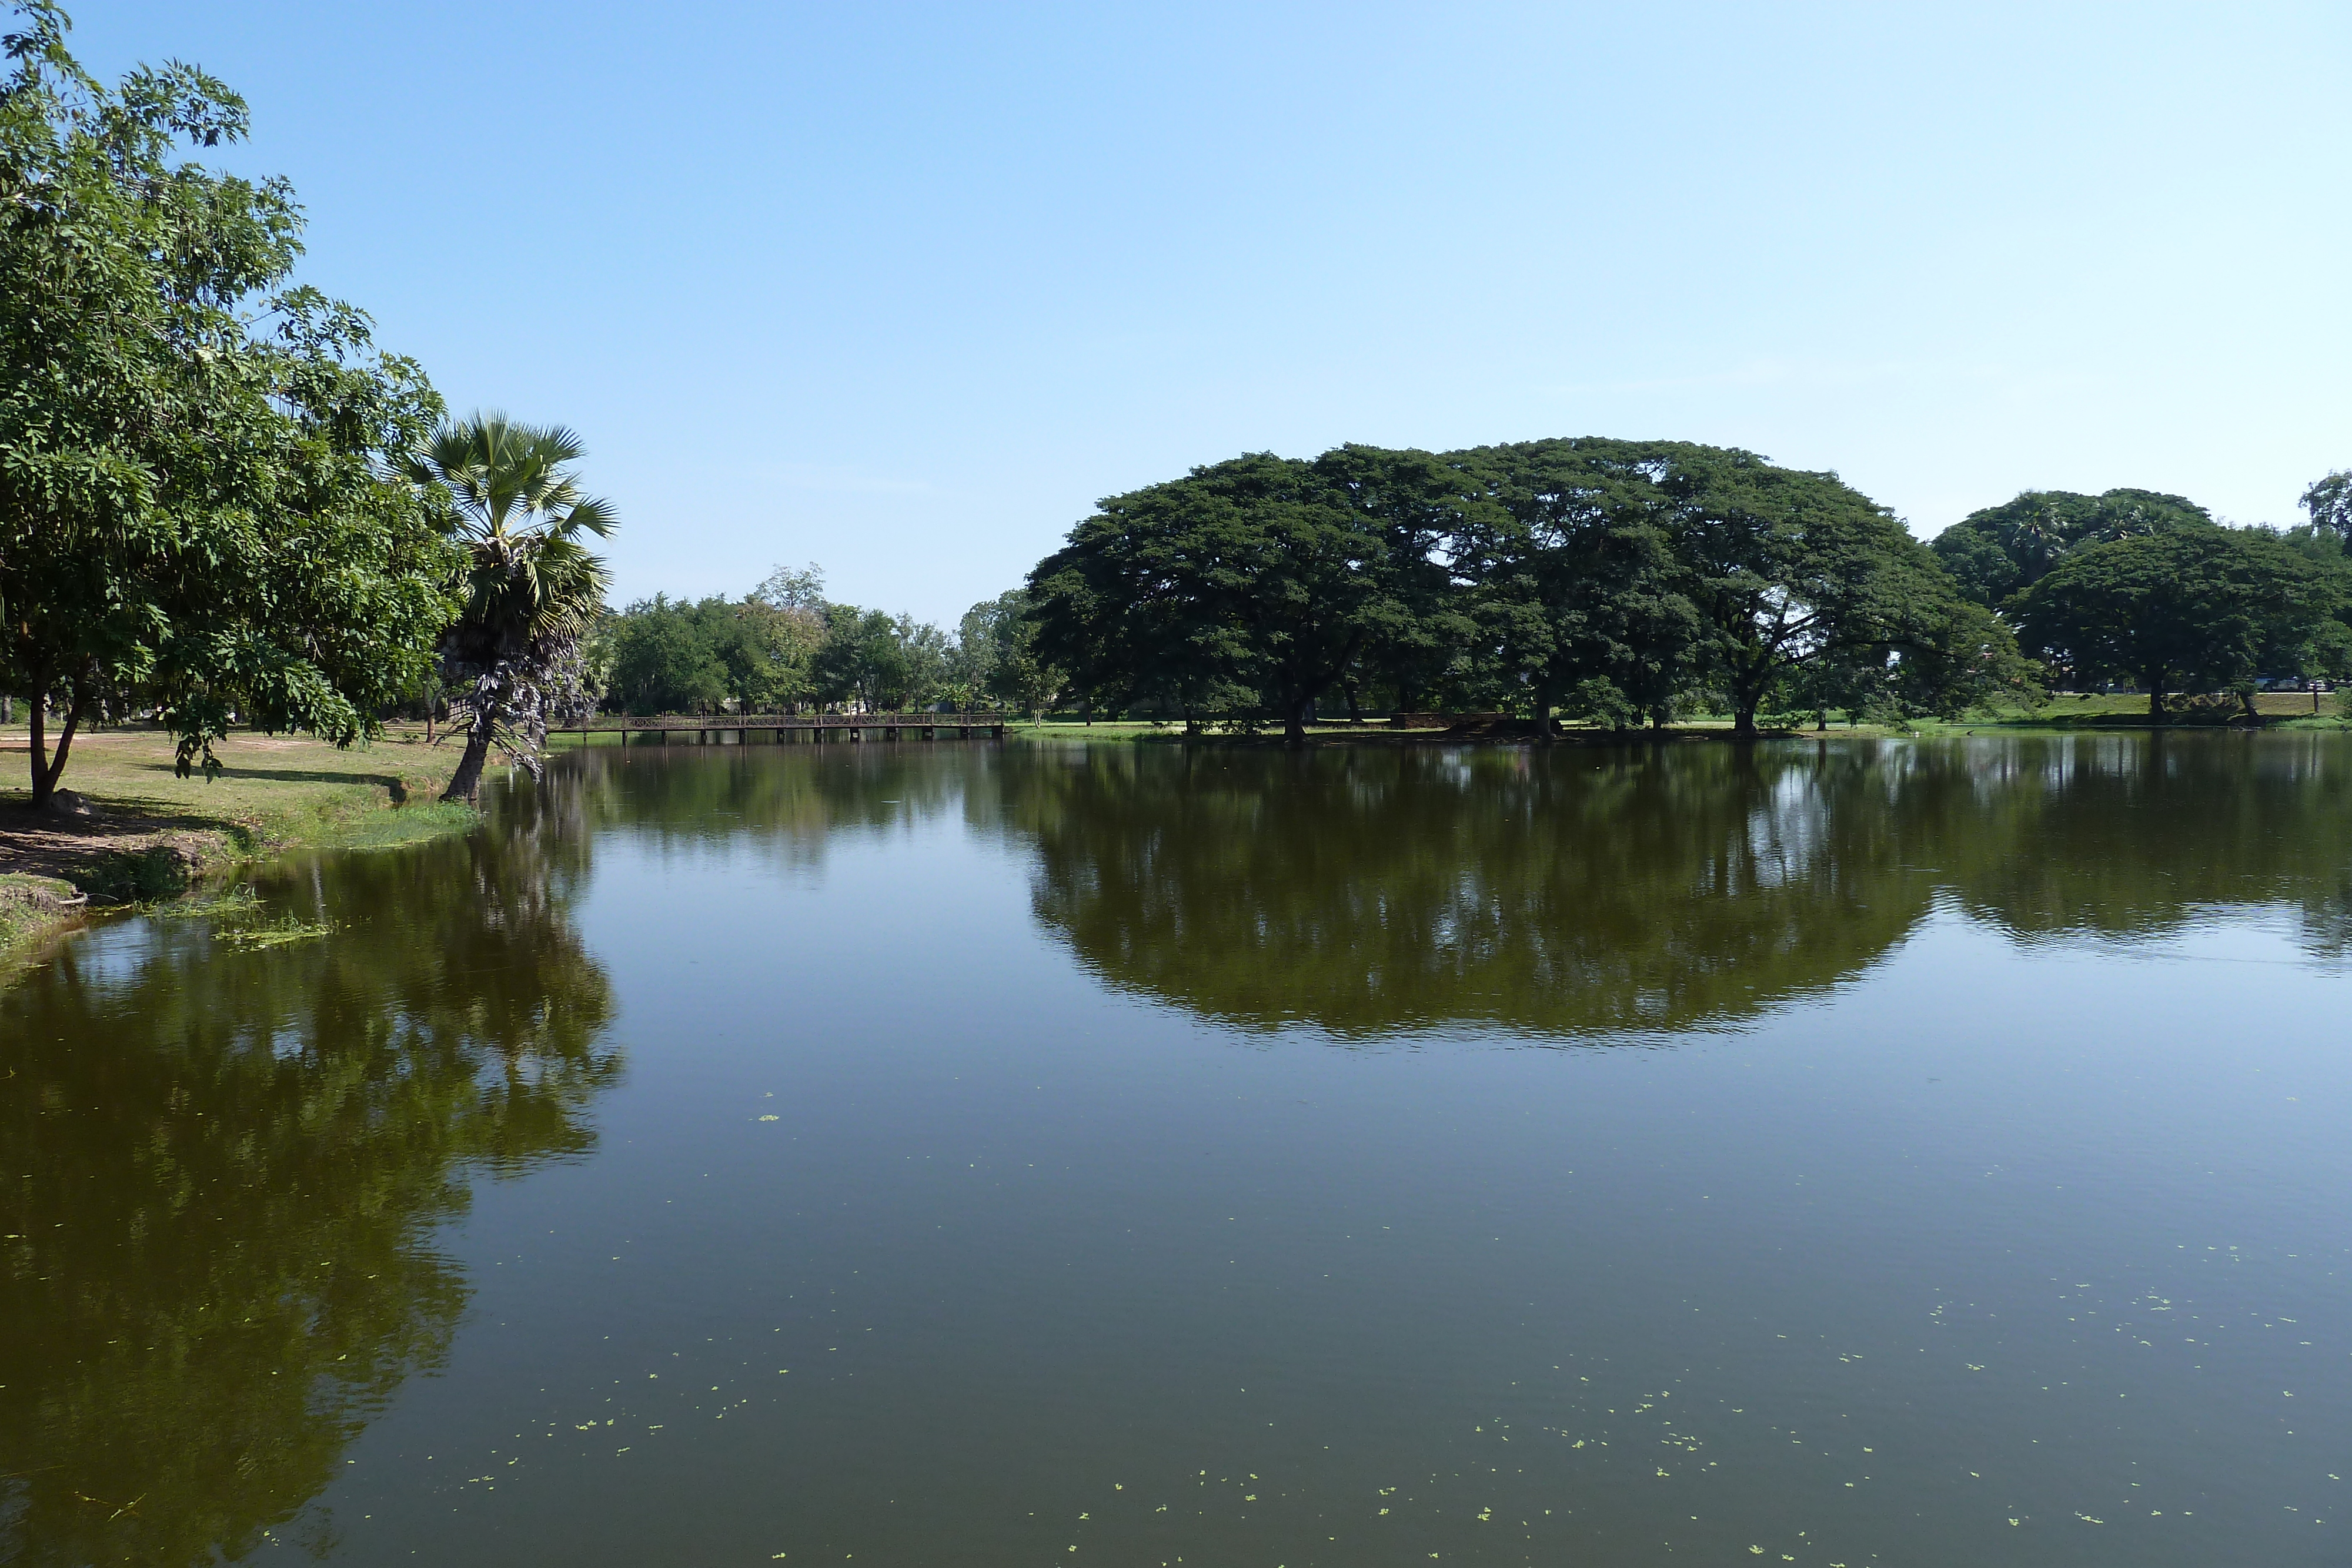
(530, 587)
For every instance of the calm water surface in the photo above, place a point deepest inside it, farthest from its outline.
(1891, 1154)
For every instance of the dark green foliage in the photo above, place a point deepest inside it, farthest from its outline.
(1415, 503)
(1573, 582)
(136, 876)
(2329, 502)
(1788, 569)
(194, 513)
(659, 657)
(2002, 551)
(996, 658)
(879, 662)
(2189, 609)
(1614, 578)
(770, 652)
(2328, 537)
(1262, 573)
(508, 495)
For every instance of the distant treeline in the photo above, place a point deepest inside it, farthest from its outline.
(1614, 583)
(785, 647)
(1619, 581)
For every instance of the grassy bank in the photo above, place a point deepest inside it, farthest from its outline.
(2278, 710)
(154, 835)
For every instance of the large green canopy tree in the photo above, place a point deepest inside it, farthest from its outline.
(1261, 574)
(1790, 569)
(530, 586)
(2193, 609)
(1612, 574)
(194, 514)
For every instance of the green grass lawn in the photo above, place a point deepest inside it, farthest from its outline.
(155, 833)
(2278, 709)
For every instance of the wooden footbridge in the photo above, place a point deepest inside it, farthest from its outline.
(819, 727)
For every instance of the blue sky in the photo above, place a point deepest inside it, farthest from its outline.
(901, 290)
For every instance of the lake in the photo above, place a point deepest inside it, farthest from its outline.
(1836, 1153)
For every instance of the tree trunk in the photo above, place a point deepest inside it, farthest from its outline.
(38, 748)
(1543, 715)
(2156, 699)
(47, 769)
(468, 777)
(1743, 719)
(2254, 714)
(1293, 721)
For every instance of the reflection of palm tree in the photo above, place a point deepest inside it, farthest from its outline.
(225, 1257)
(530, 586)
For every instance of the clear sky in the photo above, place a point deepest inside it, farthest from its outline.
(902, 289)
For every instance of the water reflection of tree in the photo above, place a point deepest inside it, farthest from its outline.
(2132, 836)
(224, 1170)
(1570, 894)
(1596, 892)
(789, 802)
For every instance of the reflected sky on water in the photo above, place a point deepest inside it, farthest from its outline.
(1838, 1153)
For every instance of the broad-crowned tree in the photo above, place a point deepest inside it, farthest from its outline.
(2201, 609)
(1259, 572)
(1788, 568)
(195, 517)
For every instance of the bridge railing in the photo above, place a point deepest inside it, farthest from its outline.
(973, 718)
(816, 726)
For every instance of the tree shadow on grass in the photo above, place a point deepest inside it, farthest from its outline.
(391, 782)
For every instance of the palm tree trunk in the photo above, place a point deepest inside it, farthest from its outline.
(468, 777)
